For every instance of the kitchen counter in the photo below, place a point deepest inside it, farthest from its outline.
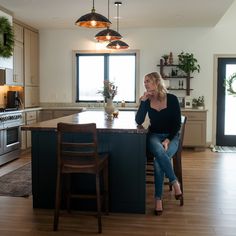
(121, 137)
(124, 123)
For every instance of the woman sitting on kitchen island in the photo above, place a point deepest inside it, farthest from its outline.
(162, 140)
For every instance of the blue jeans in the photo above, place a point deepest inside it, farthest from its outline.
(162, 160)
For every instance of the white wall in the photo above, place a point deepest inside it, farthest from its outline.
(56, 47)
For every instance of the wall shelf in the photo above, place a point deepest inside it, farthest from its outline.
(165, 76)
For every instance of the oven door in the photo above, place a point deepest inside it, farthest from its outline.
(1, 142)
(11, 138)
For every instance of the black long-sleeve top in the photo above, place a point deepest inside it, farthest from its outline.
(165, 121)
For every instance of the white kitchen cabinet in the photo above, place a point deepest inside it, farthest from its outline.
(30, 118)
(18, 56)
(45, 115)
(31, 52)
(18, 64)
(195, 130)
(49, 114)
(31, 96)
(18, 32)
(61, 113)
(31, 67)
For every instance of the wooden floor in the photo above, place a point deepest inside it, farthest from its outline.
(209, 209)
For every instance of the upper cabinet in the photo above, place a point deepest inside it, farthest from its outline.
(31, 50)
(25, 71)
(31, 66)
(18, 56)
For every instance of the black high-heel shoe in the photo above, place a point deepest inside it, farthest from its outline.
(158, 212)
(179, 196)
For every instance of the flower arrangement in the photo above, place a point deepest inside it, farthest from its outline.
(199, 102)
(109, 90)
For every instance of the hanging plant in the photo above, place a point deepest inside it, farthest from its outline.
(231, 84)
(6, 38)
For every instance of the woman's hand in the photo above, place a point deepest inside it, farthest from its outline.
(166, 143)
(147, 95)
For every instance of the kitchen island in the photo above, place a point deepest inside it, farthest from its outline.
(121, 137)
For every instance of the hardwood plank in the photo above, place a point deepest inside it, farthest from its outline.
(209, 208)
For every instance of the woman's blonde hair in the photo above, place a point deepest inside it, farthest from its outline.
(158, 80)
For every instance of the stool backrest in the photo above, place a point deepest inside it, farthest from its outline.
(77, 144)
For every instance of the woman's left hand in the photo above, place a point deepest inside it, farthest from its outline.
(165, 143)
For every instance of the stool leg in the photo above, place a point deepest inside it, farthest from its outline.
(68, 191)
(106, 188)
(98, 203)
(57, 202)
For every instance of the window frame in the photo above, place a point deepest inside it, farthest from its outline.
(104, 52)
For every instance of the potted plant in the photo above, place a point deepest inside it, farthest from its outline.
(165, 57)
(199, 102)
(188, 63)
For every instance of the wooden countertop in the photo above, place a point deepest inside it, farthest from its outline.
(124, 123)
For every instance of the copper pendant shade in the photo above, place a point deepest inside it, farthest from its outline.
(93, 20)
(108, 34)
(117, 44)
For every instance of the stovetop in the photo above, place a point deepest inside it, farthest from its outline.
(6, 109)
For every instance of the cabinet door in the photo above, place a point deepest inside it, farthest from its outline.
(31, 96)
(58, 114)
(45, 115)
(28, 133)
(18, 64)
(31, 57)
(18, 33)
(195, 134)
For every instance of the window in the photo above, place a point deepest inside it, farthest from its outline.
(93, 68)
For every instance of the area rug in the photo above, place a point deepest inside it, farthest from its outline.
(17, 183)
(223, 149)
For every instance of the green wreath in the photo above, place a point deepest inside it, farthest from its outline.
(229, 83)
(6, 38)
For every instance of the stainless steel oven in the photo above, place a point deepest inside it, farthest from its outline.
(10, 138)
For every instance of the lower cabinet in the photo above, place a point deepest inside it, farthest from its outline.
(49, 114)
(30, 118)
(195, 131)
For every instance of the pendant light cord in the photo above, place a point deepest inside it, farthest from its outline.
(108, 10)
(93, 9)
(117, 22)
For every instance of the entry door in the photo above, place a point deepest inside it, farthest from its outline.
(226, 104)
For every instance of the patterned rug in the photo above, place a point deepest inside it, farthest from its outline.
(17, 183)
(223, 149)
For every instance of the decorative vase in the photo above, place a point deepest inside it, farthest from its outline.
(109, 108)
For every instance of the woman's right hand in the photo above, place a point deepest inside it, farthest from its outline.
(146, 96)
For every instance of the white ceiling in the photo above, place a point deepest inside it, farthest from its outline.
(46, 14)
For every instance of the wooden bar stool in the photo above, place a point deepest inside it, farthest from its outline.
(177, 160)
(77, 152)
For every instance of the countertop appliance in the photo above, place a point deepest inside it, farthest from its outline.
(10, 136)
(13, 99)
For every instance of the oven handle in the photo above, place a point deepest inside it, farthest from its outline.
(9, 126)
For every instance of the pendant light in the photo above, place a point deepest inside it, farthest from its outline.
(108, 34)
(93, 20)
(117, 44)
